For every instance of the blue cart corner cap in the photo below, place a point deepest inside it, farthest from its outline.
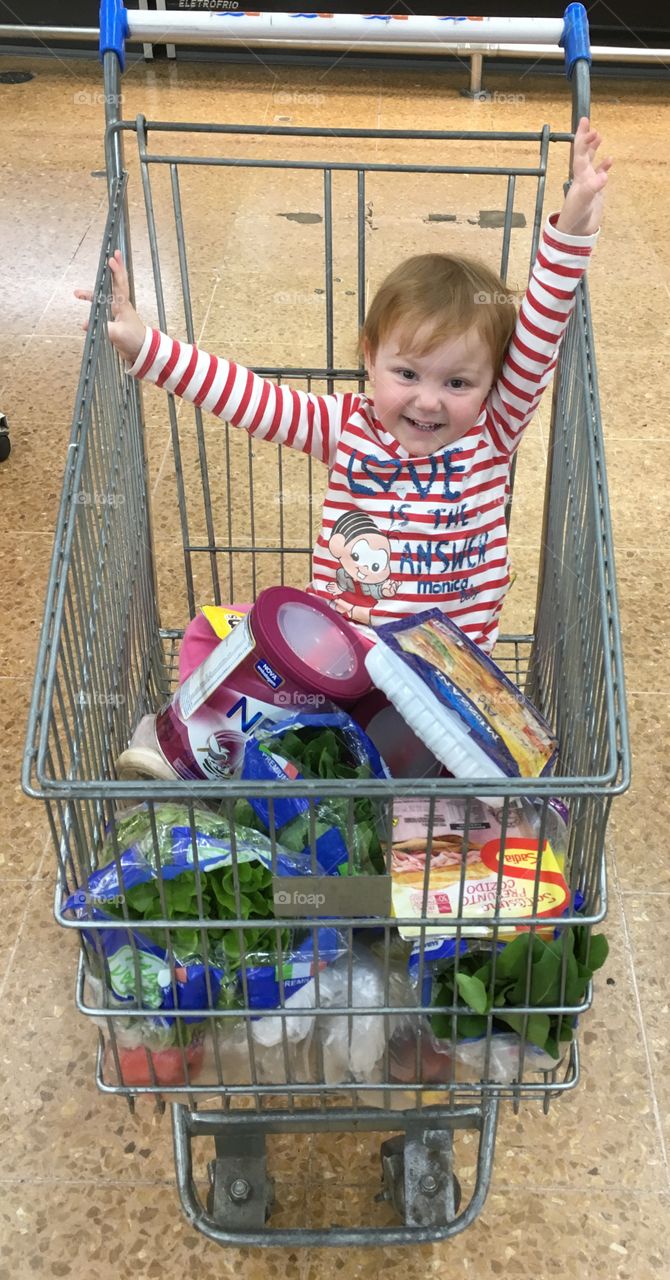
(575, 38)
(114, 29)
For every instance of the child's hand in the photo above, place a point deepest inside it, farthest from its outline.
(582, 209)
(343, 607)
(126, 330)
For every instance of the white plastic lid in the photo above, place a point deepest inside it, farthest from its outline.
(315, 640)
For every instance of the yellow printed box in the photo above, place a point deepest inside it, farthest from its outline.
(466, 858)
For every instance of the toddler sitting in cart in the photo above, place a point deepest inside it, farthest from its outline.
(418, 472)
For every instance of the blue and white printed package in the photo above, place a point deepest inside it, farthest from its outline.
(458, 701)
(310, 955)
(134, 958)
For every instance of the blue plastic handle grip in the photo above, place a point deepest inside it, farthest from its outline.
(114, 29)
(575, 38)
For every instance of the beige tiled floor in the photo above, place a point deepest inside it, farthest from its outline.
(84, 1186)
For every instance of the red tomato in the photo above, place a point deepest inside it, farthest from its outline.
(168, 1064)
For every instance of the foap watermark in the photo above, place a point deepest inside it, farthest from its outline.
(85, 99)
(495, 299)
(295, 898)
(83, 898)
(318, 895)
(298, 98)
(509, 99)
(296, 499)
(298, 298)
(96, 698)
(88, 498)
(286, 698)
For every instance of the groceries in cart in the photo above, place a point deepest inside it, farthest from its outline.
(483, 863)
(346, 838)
(458, 701)
(478, 981)
(156, 866)
(230, 658)
(290, 652)
(152, 860)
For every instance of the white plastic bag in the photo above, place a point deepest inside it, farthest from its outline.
(356, 1054)
(273, 1065)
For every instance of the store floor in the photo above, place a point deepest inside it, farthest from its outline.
(85, 1185)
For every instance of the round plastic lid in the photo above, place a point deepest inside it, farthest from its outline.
(309, 643)
(314, 640)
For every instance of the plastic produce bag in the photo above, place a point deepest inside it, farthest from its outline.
(355, 1053)
(323, 746)
(422, 1057)
(323, 1049)
(137, 959)
(506, 1060)
(557, 970)
(279, 1058)
(147, 1051)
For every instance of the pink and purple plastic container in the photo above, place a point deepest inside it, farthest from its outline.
(292, 653)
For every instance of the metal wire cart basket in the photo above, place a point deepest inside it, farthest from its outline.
(241, 516)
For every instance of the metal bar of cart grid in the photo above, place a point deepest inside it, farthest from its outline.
(104, 660)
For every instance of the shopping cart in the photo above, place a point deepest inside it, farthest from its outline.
(105, 659)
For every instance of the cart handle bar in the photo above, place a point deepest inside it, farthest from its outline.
(225, 27)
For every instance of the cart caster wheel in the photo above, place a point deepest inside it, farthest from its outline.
(5, 442)
(236, 1193)
(429, 1187)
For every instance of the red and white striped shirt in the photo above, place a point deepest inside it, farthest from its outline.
(432, 529)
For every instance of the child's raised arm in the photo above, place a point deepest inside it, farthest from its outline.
(301, 420)
(583, 205)
(567, 240)
(126, 330)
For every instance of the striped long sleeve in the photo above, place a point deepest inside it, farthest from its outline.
(543, 316)
(298, 419)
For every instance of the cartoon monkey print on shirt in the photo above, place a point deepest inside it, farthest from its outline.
(364, 573)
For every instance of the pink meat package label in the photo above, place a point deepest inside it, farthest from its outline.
(411, 818)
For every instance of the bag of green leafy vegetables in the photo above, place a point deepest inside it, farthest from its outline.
(316, 747)
(149, 875)
(558, 970)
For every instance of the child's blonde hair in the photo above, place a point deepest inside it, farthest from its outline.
(435, 297)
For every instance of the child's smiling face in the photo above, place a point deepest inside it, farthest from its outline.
(428, 401)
